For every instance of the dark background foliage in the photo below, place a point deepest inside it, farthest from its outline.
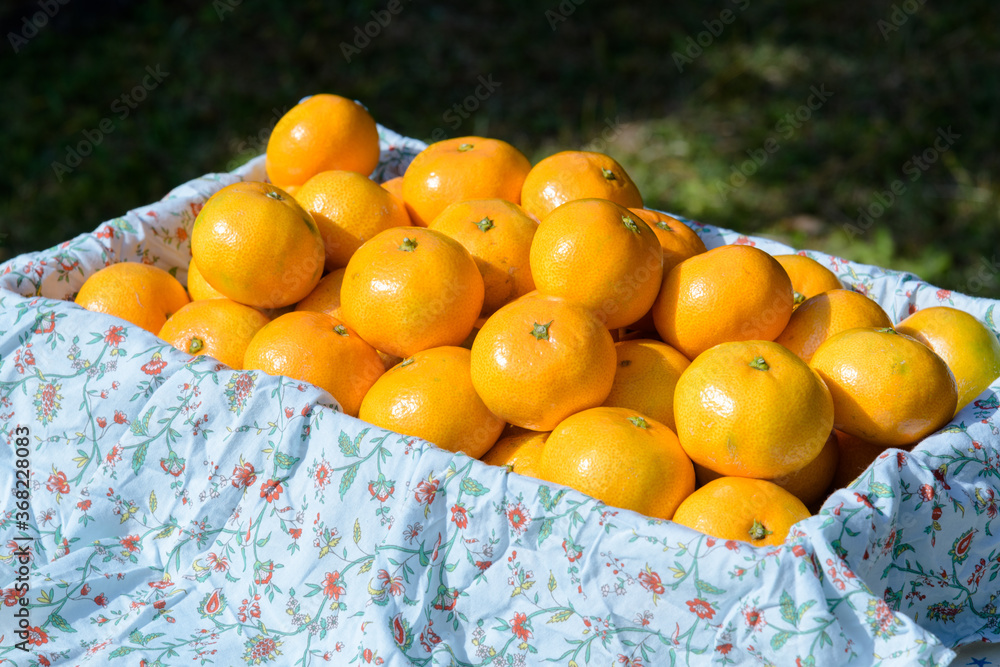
(598, 74)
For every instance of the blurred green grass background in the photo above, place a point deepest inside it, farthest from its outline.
(596, 74)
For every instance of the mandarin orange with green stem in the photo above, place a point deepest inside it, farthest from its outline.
(454, 170)
(318, 134)
(755, 511)
(142, 294)
(571, 175)
(752, 409)
(601, 255)
(541, 358)
(255, 244)
(621, 458)
(498, 235)
(410, 289)
(219, 328)
(730, 293)
(320, 349)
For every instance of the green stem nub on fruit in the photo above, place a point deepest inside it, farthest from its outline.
(341, 329)
(408, 245)
(274, 195)
(630, 224)
(485, 225)
(406, 362)
(798, 297)
(541, 331)
(196, 345)
(759, 364)
(639, 421)
(758, 531)
(664, 226)
(465, 147)
(608, 174)
(888, 330)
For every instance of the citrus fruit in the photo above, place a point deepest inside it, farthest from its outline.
(462, 168)
(854, 455)
(887, 387)
(808, 276)
(198, 287)
(518, 453)
(142, 294)
(730, 293)
(645, 376)
(349, 209)
(809, 483)
(325, 297)
(828, 313)
(541, 358)
(220, 328)
(677, 239)
(621, 458)
(318, 134)
(601, 255)
(430, 396)
(739, 508)
(751, 409)
(394, 186)
(571, 175)
(320, 349)
(256, 245)
(411, 289)
(498, 235)
(970, 349)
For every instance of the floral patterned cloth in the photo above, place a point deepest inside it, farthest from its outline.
(184, 513)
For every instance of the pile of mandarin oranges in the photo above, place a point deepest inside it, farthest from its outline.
(538, 317)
